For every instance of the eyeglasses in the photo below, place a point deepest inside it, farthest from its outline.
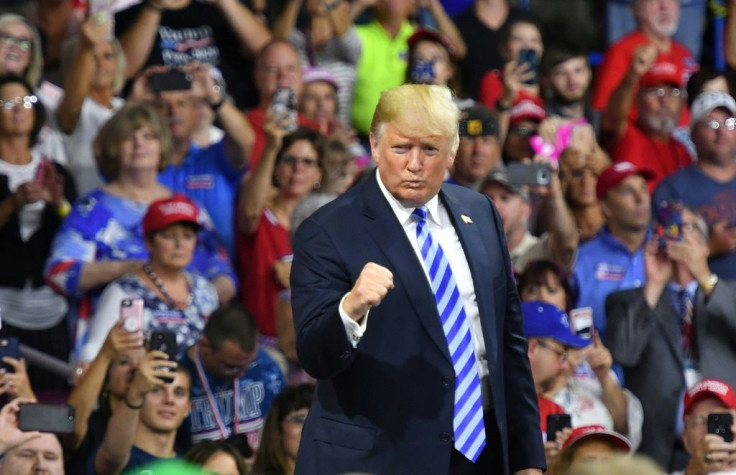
(728, 124)
(561, 354)
(292, 161)
(296, 419)
(27, 101)
(8, 40)
(665, 91)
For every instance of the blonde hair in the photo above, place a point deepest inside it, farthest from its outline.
(33, 72)
(69, 52)
(422, 109)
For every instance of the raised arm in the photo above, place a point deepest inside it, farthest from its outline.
(247, 27)
(286, 22)
(563, 233)
(137, 40)
(447, 27)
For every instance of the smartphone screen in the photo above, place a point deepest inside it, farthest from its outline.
(54, 418)
(131, 313)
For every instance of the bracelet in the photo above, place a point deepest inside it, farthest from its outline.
(153, 7)
(127, 403)
(216, 106)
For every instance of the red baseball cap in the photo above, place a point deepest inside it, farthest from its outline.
(615, 174)
(434, 36)
(663, 71)
(527, 108)
(165, 212)
(710, 388)
(597, 432)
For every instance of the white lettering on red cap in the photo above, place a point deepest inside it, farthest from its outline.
(712, 386)
(624, 166)
(177, 208)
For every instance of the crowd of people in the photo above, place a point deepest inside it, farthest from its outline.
(158, 156)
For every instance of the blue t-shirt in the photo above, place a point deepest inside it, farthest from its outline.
(261, 383)
(206, 176)
(713, 200)
(605, 265)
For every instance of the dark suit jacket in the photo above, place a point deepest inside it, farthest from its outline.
(387, 405)
(647, 343)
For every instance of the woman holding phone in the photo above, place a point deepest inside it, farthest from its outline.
(34, 198)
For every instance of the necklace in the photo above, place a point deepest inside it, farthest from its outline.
(160, 286)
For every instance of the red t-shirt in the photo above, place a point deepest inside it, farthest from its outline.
(256, 117)
(663, 158)
(547, 407)
(491, 90)
(616, 63)
(256, 256)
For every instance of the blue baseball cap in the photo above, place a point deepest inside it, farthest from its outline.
(544, 320)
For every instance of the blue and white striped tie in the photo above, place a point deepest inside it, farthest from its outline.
(470, 434)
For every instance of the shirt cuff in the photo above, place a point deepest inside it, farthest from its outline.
(353, 329)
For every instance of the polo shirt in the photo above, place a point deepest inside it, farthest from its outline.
(382, 66)
(605, 265)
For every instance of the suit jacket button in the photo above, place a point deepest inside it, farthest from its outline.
(447, 381)
(445, 437)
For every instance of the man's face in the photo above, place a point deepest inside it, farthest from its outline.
(512, 208)
(570, 80)
(660, 107)
(179, 110)
(229, 362)
(627, 207)
(41, 455)
(476, 157)
(712, 139)
(658, 16)
(548, 359)
(167, 405)
(278, 67)
(696, 421)
(412, 166)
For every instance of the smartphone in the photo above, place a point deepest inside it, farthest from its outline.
(530, 174)
(422, 72)
(720, 424)
(131, 313)
(102, 11)
(54, 418)
(582, 321)
(172, 80)
(166, 342)
(530, 57)
(9, 347)
(555, 423)
(669, 222)
(284, 102)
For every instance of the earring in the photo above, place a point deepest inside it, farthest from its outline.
(317, 184)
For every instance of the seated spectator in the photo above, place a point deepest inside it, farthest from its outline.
(174, 300)
(479, 151)
(656, 23)
(228, 365)
(709, 453)
(283, 431)
(431, 60)
(224, 34)
(99, 392)
(35, 193)
(587, 389)
(523, 121)
(657, 87)
(209, 175)
(102, 238)
(709, 186)
(93, 70)
(588, 444)
(512, 202)
(579, 173)
(481, 26)
(217, 457)
(681, 322)
(517, 80)
(566, 78)
(613, 260)
(328, 41)
(143, 429)
(291, 167)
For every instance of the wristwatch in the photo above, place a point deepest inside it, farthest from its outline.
(710, 283)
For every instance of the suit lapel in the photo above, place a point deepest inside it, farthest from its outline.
(381, 224)
(471, 239)
(668, 321)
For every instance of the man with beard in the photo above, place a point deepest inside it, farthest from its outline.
(656, 85)
(656, 24)
(566, 76)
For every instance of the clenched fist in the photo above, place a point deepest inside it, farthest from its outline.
(372, 285)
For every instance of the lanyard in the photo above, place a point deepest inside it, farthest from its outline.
(224, 431)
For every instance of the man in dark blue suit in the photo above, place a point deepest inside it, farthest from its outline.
(370, 290)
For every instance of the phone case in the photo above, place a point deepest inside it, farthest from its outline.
(530, 57)
(530, 174)
(720, 424)
(173, 80)
(131, 312)
(284, 101)
(555, 423)
(669, 222)
(166, 342)
(54, 418)
(9, 347)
